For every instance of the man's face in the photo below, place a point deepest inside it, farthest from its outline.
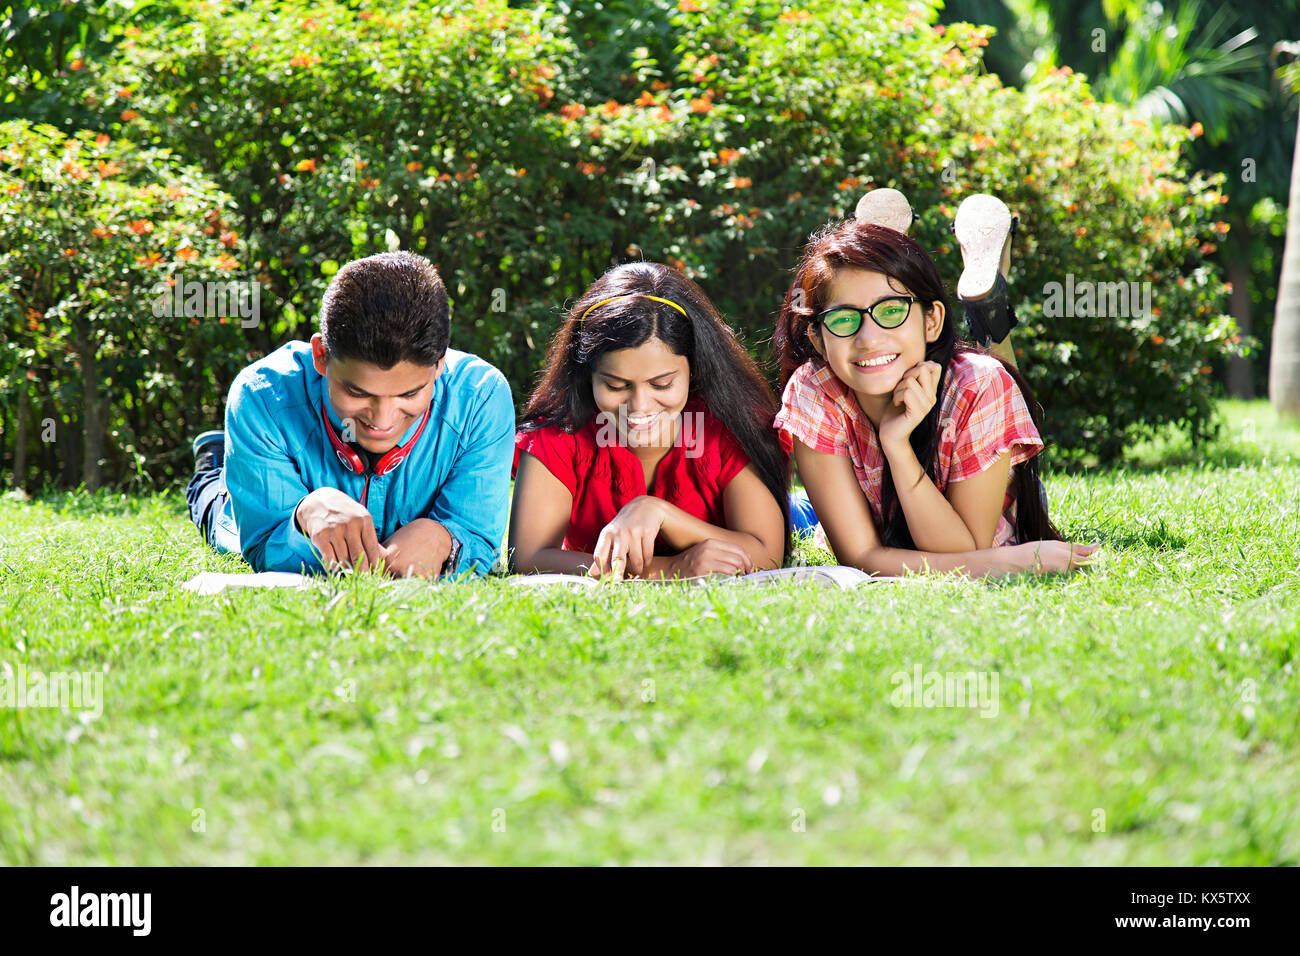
(377, 405)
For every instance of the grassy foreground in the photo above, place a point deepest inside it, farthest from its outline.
(1146, 712)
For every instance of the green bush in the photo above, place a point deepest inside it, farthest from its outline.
(92, 229)
(527, 150)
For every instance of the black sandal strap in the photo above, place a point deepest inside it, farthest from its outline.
(991, 318)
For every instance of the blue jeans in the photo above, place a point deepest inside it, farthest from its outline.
(803, 520)
(207, 497)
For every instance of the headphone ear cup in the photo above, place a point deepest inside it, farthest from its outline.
(350, 459)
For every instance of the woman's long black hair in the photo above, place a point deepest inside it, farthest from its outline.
(723, 374)
(902, 260)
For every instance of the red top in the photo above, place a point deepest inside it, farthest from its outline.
(603, 475)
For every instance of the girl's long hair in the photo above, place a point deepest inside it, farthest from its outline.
(723, 374)
(851, 244)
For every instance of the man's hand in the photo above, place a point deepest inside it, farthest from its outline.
(341, 529)
(419, 548)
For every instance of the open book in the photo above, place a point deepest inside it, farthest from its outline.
(829, 576)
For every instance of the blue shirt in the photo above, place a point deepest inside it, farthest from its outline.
(277, 452)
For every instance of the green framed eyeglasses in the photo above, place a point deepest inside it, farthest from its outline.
(844, 321)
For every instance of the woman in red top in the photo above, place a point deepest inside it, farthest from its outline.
(647, 449)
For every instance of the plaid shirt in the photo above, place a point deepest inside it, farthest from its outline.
(981, 415)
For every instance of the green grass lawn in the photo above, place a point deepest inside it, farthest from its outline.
(1148, 710)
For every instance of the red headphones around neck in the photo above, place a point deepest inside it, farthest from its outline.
(352, 461)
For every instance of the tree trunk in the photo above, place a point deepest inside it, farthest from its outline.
(92, 419)
(1284, 369)
(20, 428)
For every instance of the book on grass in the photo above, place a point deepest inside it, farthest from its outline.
(829, 576)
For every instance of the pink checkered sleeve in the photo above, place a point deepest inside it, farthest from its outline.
(810, 414)
(991, 418)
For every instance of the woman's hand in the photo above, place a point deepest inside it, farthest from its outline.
(626, 545)
(1050, 557)
(914, 396)
(711, 556)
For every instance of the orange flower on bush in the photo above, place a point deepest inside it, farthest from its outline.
(571, 111)
(1222, 228)
(369, 183)
(727, 156)
(1157, 340)
(309, 24)
(1081, 232)
(612, 108)
(414, 166)
(663, 114)
(741, 182)
(702, 104)
(76, 171)
(660, 85)
(230, 239)
(140, 226)
(150, 259)
(123, 94)
(99, 232)
(590, 169)
(1196, 129)
(128, 115)
(77, 64)
(177, 192)
(688, 6)
(187, 253)
(69, 253)
(795, 16)
(227, 262)
(102, 140)
(306, 166)
(304, 60)
(444, 177)
(645, 99)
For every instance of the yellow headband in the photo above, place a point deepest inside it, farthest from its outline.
(629, 295)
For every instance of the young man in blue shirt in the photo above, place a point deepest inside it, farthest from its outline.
(375, 442)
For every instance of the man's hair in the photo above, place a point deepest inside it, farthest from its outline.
(385, 309)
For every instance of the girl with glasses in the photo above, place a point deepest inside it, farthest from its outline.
(917, 450)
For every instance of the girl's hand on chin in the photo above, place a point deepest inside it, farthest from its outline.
(914, 396)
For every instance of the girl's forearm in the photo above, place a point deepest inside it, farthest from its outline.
(682, 530)
(553, 560)
(897, 561)
(562, 561)
(933, 522)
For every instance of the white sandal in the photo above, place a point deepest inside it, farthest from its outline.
(886, 207)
